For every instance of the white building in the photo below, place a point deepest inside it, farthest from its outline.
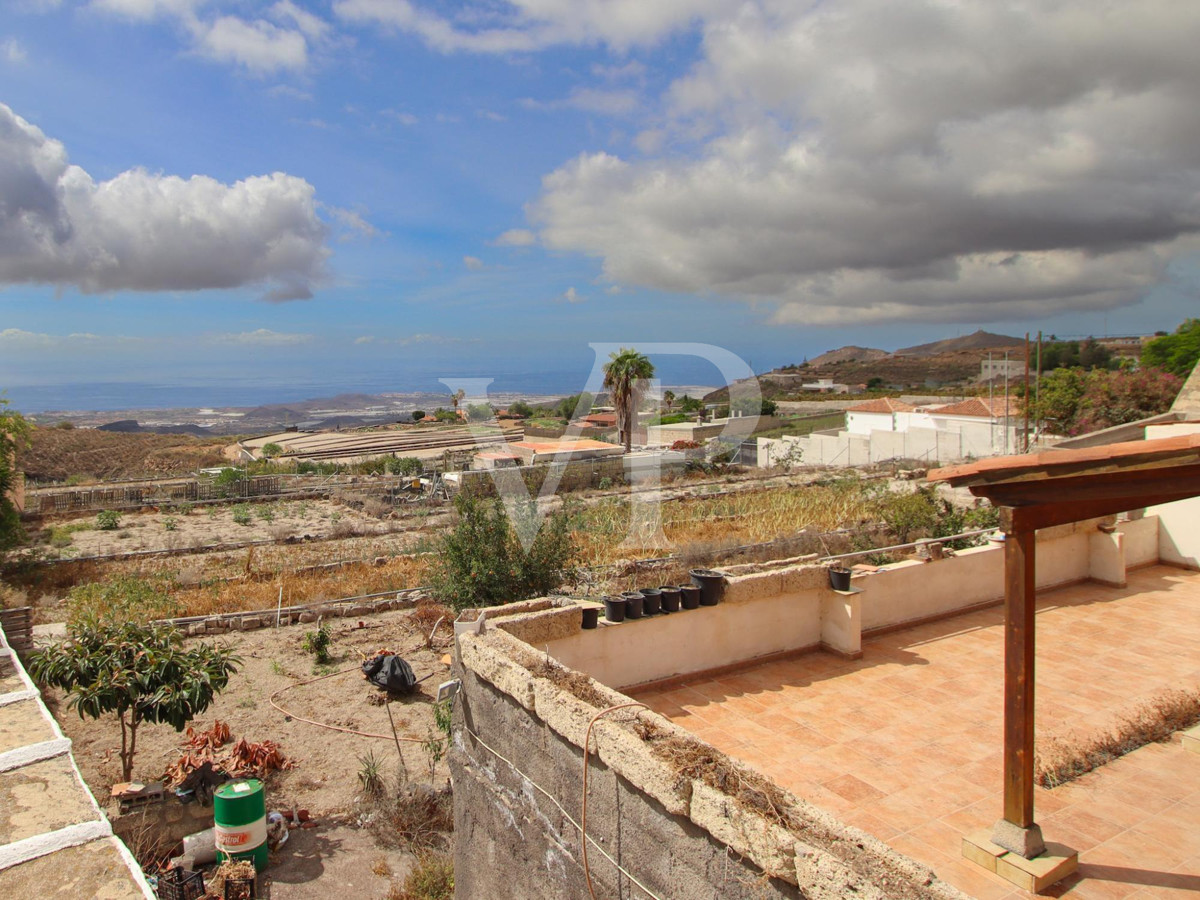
(885, 429)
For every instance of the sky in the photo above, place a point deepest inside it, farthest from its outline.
(375, 193)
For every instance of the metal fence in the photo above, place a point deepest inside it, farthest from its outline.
(135, 496)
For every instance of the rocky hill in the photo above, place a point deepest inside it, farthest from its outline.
(978, 340)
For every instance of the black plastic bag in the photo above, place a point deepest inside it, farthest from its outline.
(390, 673)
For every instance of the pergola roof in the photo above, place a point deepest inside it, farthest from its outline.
(1059, 486)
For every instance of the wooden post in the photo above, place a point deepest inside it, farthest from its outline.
(1016, 831)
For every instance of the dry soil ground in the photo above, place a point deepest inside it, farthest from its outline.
(208, 525)
(339, 854)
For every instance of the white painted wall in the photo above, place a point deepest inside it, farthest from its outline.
(973, 439)
(642, 650)
(793, 608)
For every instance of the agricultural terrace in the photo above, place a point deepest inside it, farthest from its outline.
(254, 556)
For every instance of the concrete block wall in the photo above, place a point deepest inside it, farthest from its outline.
(163, 823)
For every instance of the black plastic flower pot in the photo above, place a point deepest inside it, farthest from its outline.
(839, 578)
(670, 597)
(634, 603)
(614, 609)
(591, 616)
(652, 604)
(712, 585)
(689, 596)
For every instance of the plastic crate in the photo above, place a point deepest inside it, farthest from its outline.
(180, 884)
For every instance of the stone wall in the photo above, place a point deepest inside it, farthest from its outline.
(575, 475)
(163, 823)
(717, 831)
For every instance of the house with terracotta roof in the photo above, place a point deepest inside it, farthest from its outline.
(887, 428)
(880, 414)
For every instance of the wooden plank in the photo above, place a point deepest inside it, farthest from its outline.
(1183, 480)
(1020, 596)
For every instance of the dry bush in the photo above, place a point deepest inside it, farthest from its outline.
(417, 817)
(1061, 760)
(279, 533)
(12, 598)
(432, 878)
(376, 508)
(343, 529)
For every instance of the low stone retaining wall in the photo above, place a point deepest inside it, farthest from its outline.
(292, 615)
(161, 823)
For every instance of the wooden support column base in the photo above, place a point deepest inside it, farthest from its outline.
(1055, 863)
(1025, 842)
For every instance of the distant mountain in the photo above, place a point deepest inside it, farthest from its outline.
(979, 340)
(131, 426)
(847, 354)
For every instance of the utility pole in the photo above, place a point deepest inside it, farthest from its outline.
(1006, 429)
(1026, 393)
(1037, 387)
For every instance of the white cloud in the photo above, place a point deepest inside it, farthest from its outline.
(260, 46)
(593, 100)
(516, 237)
(490, 115)
(474, 263)
(365, 339)
(522, 26)
(261, 337)
(874, 161)
(141, 231)
(632, 70)
(17, 339)
(287, 90)
(12, 51)
(352, 222)
(404, 118)
(573, 296)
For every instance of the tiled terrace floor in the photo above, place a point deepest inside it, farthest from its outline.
(905, 743)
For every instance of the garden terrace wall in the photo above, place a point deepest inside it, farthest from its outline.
(788, 607)
(711, 828)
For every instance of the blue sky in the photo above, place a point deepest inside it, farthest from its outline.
(474, 188)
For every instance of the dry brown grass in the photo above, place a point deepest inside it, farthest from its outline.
(55, 454)
(417, 818)
(1060, 760)
(432, 878)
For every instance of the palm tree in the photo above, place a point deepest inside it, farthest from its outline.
(669, 399)
(625, 377)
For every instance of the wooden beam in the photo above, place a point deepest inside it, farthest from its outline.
(1020, 597)
(1024, 518)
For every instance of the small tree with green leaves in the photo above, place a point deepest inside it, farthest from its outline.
(271, 450)
(14, 436)
(481, 561)
(140, 673)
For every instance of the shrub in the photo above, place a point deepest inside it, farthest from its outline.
(418, 415)
(317, 643)
(271, 450)
(123, 599)
(405, 465)
(185, 509)
(108, 520)
(170, 523)
(241, 514)
(139, 672)
(432, 878)
(482, 561)
(266, 514)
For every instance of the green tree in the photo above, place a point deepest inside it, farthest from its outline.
(520, 408)
(139, 672)
(271, 450)
(1176, 353)
(418, 415)
(479, 412)
(482, 562)
(568, 406)
(625, 377)
(457, 397)
(690, 404)
(1074, 402)
(669, 399)
(14, 436)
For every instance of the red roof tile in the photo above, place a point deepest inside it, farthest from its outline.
(882, 405)
(998, 407)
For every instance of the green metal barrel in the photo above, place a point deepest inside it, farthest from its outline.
(240, 814)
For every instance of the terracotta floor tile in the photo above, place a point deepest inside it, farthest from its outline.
(854, 789)
(906, 743)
